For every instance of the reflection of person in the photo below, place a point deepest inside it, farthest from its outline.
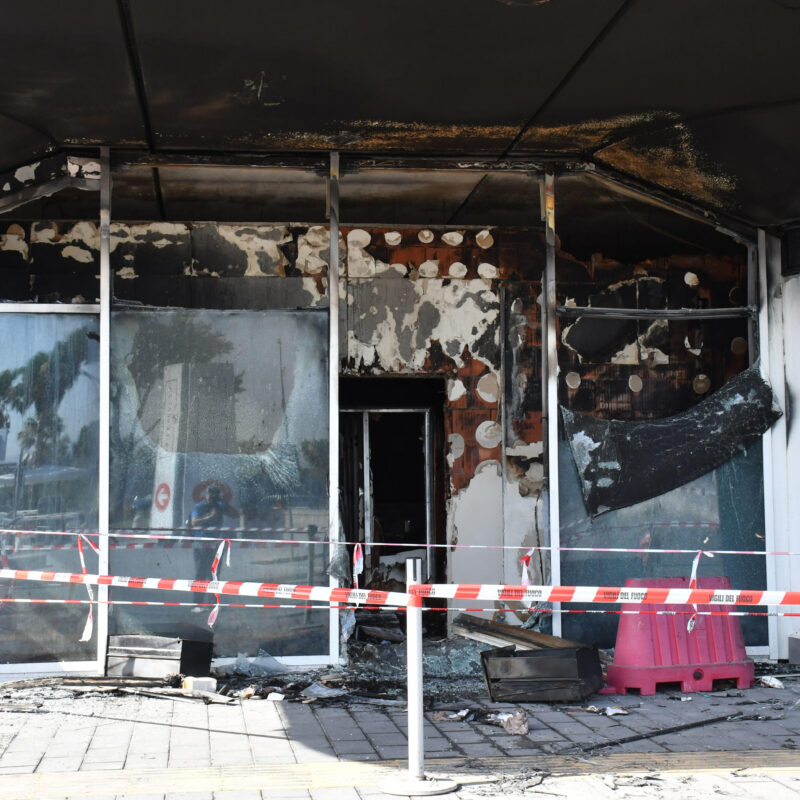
(210, 512)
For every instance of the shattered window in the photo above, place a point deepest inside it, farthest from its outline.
(219, 431)
(721, 510)
(48, 480)
(661, 418)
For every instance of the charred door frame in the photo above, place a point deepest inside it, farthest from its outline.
(429, 476)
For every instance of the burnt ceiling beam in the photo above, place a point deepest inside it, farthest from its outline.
(137, 75)
(739, 229)
(47, 177)
(125, 159)
(656, 313)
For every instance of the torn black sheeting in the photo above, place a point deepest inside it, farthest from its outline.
(622, 463)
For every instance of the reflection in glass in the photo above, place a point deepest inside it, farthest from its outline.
(48, 477)
(219, 420)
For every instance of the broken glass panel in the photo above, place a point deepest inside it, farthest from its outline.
(219, 419)
(48, 479)
(721, 510)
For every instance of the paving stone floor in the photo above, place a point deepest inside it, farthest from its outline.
(131, 733)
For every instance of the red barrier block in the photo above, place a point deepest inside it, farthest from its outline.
(657, 648)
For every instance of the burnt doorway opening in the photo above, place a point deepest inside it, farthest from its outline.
(392, 475)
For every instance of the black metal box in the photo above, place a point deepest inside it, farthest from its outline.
(529, 676)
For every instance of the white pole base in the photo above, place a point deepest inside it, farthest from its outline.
(413, 787)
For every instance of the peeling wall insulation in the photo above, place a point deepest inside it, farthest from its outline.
(620, 463)
(433, 302)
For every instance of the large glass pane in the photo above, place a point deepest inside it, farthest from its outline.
(722, 510)
(220, 419)
(48, 480)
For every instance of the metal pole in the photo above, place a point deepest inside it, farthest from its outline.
(550, 390)
(416, 754)
(428, 497)
(415, 785)
(333, 385)
(366, 480)
(104, 456)
(752, 301)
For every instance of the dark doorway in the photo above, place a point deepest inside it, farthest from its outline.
(391, 475)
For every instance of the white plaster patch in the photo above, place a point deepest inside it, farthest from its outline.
(475, 516)
(695, 351)
(26, 173)
(490, 465)
(77, 254)
(6, 187)
(392, 238)
(628, 355)
(457, 269)
(126, 273)
(73, 168)
(573, 380)
(456, 442)
(484, 239)
(429, 269)
(310, 246)
(14, 240)
(253, 242)
(487, 271)
(455, 390)
(425, 236)
(310, 285)
(635, 383)
(358, 238)
(582, 446)
(360, 264)
(691, 279)
(488, 434)
(170, 233)
(92, 169)
(487, 388)
(453, 238)
(522, 450)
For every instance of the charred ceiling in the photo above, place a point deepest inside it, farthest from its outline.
(697, 101)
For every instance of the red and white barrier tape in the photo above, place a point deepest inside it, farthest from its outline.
(693, 585)
(212, 617)
(606, 594)
(458, 591)
(89, 626)
(241, 588)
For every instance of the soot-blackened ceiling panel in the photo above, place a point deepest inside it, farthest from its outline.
(738, 161)
(666, 61)
(65, 77)
(410, 75)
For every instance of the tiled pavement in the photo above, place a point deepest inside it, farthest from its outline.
(181, 748)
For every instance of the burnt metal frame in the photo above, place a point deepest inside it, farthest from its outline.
(334, 533)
